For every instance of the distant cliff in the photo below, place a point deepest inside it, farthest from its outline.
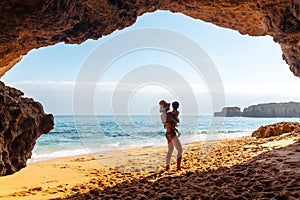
(229, 112)
(291, 109)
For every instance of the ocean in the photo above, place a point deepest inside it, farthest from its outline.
(78, 135)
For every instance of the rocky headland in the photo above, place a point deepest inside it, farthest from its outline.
(291, 109)
(229, 112)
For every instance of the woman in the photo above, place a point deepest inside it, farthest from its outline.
(170, 121)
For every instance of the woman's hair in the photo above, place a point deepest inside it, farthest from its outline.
(164, 104)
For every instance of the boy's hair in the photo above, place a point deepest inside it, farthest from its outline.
(175, 105)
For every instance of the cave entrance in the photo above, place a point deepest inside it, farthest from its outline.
(251, 69)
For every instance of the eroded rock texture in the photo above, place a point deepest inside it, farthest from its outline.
(277, 129)
(35, 23)
(22, 122)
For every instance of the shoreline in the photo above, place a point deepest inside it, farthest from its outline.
(197, 138)
(81, 175)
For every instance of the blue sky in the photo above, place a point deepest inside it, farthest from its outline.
(251, 69)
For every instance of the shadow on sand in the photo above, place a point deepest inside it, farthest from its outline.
(271, 175)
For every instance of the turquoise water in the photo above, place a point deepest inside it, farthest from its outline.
(88, 134)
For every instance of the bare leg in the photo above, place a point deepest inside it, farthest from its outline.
(178, 147)
(169, 154)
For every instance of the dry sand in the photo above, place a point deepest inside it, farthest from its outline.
(242, 168)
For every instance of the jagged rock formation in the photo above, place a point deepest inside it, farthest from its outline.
(35, 23)
(229, 112)
(22, 122)
(291, 109)
(277, 129)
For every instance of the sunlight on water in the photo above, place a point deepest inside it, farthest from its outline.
(140, 131)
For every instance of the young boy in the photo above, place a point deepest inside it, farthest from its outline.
(175, 113)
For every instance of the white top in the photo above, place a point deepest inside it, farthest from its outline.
(163, 115)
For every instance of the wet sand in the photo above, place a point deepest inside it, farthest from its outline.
(241, 168)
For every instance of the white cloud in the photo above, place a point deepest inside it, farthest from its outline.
(58, 97)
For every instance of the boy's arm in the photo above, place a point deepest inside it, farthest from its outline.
(177, 114)
(172, 118)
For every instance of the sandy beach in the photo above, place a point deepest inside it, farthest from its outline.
(241, 168)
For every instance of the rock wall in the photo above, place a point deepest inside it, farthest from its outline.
(22, 122)
(29, 24)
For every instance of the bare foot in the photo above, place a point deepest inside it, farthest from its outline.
(167, 168)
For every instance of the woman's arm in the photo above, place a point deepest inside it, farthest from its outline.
(163, 116)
